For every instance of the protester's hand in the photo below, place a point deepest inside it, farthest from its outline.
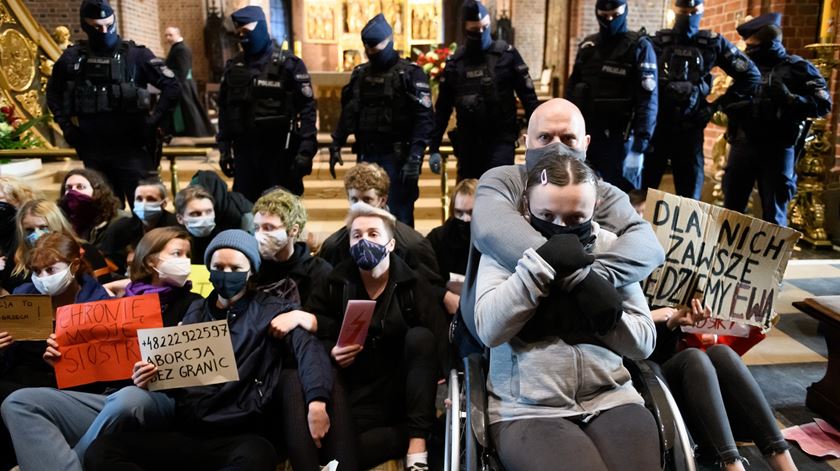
(565, 254)
(302, 165)
(690, 315)
(663, 314)
(143, 373)
(226, 158)
(435, 162)
(6, 340)
(117, 288)
(345, 356)
(410, 171)
(288, 321)
(51, 354)
(319, 421)
(451, 301)
(335, 158)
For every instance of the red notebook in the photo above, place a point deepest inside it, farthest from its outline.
(356, 322)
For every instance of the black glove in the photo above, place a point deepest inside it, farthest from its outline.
(226, 158)
(565, 254)
(302, 165)
(599, 302)
(435, 161)
(781, 92)
(411, 169)
(335, 158)
(72, 135)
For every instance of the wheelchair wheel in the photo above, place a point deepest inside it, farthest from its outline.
(460, 448)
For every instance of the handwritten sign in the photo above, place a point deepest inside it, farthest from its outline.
(189, 355)
(98, 340)
(718, 327)
(26, 317)
(200, 277)
(732, 262)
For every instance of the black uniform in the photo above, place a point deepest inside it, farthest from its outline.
(685, 81)
(267, 111)
(481, 89)
(189, 118)
(104, 109)
(389, 110)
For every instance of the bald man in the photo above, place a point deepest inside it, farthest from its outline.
(499, 230)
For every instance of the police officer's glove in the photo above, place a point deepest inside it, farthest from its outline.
(226, 158)
(72, 135)
(599, 302)
(411, 169)
(335, 158)
(781, 92)
(302, 165)
(632, 168)
(565, 254)
(435, 161)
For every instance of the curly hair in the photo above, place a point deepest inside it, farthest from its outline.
(284, 205)
(365, 176)
(102, 193)
(17, 191)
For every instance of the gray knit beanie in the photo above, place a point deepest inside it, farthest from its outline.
(236, 239)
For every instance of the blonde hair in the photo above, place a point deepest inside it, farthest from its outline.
(284, 205)
(365, 210)
(464, 187)
(55, 221)
(17, 191)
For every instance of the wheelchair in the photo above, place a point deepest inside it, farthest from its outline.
(468, 446)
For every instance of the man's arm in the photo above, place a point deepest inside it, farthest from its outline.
(421, 103)
(55, 92)
(305, 106)
(345, 125)
(737, 65)
(314, 365)
(158, 74)
(443, 105)
(647, 95)
(523, 84)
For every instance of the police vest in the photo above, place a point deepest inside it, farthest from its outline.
(607, 86)
(264, 101)
(769, 117)
(381, 101)
(684, 76)
(477, 100)
(105, 84)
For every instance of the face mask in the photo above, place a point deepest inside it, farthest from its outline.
(271, 243)
(768, 53)
(34, 236)
(147, 212)
(687, 25)
(228, 283)
(478, 42)
(80, 209)
(174, 271)
(256, 42)
(200, 226)
(618, 24)
(101, 41)
(583, 231)
(385, 57)
(534, 156)
(368, 254)
(462, 230)
(54, 284)
(7, 221)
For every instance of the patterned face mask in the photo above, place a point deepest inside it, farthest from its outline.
(368, 254)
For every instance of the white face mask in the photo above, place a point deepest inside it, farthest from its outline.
(174, 271)
(200, 226)
(272, 242)
(54, 284)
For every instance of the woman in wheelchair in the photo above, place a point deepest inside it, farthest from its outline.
(559, 394)
(717, 394)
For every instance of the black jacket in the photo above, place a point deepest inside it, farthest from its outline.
(451, 243)
(126, 232)
(244, 404)
(295, 278)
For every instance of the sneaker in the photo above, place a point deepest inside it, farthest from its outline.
(417, 467)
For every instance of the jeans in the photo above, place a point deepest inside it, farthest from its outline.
(684, 148)
(624, 438)
(401, 196)
(721, 400)
(70, 421)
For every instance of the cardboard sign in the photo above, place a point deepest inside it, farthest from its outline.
(732, 262)
(26, 317)
(718, 327)
(189, 355)
(98, 340)
(200, 277)
(356, 322)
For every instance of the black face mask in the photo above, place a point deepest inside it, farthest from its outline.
(583, 231)
(461, 231)
(766, 53)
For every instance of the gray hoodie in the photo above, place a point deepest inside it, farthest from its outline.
(551, 378)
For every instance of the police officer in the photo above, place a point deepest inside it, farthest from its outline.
(388, 106)
(686, 55)
(764, 130)
(614, 83)
(97, 94)
(479, 81)
(267, 134)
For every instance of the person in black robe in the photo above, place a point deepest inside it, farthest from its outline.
(189, 118)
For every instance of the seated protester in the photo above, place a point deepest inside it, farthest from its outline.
(369, 183)
(451, 241)
(13, 193)
(194, 211)
(392, 378)
(553, 319)
(233, 210)
(39, 217)
(226, 425)
(149, 213)
(74, 419)
(717, 395)
(89, 203)
(162, 265)
(58, 270)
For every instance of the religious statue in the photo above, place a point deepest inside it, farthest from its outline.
(61, 34)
